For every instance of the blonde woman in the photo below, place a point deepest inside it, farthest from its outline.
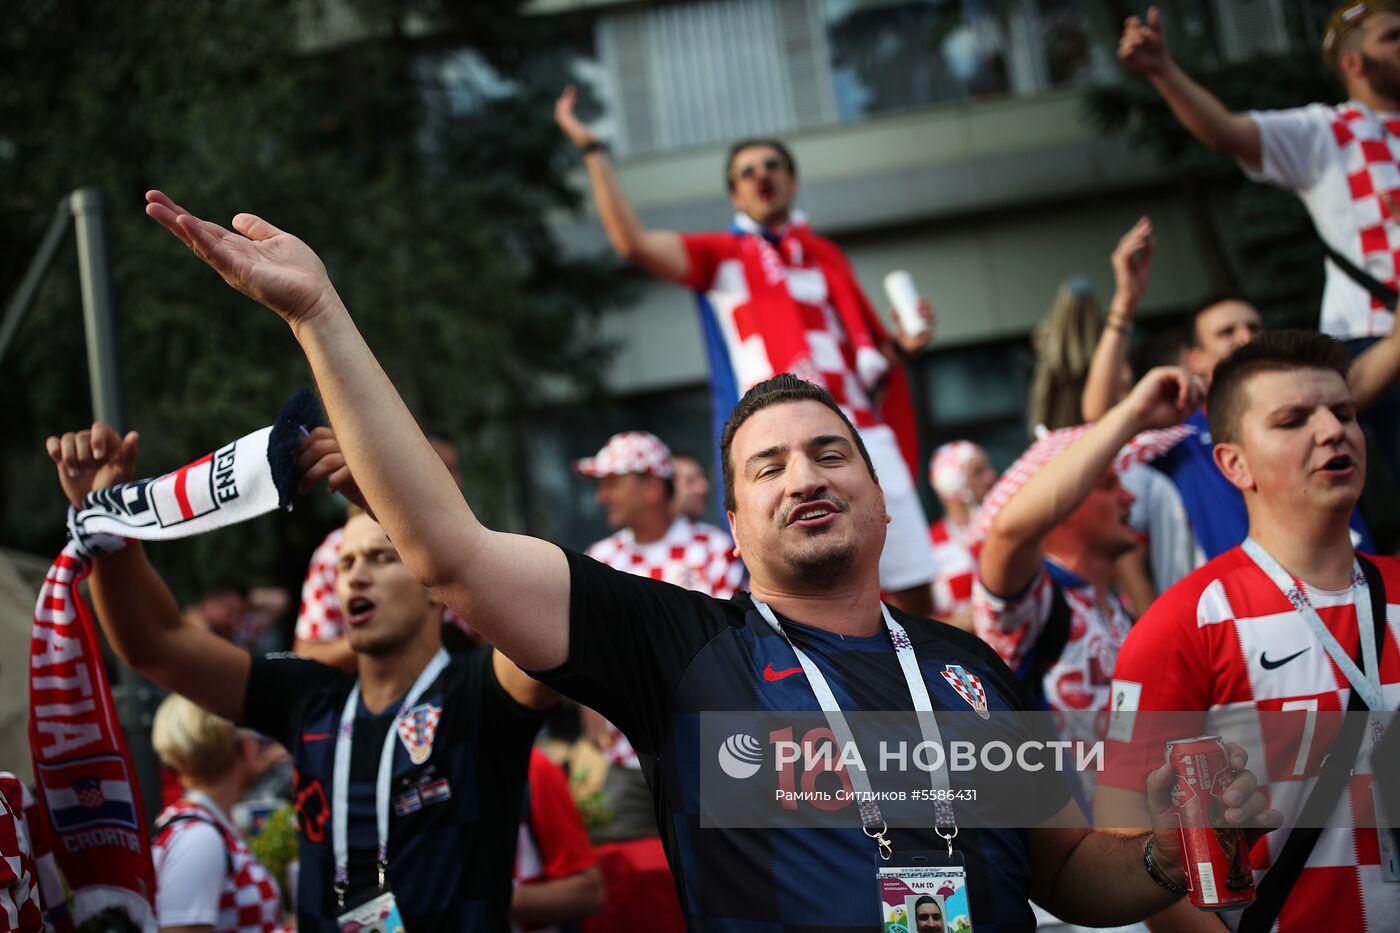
(207, 881)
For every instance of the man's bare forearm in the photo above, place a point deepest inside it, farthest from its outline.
(559, 900)
(660, 252)
(513, 589)
(1103, 882)
(1206, 118)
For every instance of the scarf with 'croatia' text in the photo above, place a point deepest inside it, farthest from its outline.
(82, 767)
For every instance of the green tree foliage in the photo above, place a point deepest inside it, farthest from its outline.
(415, 152)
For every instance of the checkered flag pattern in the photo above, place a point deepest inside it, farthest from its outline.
(249, 901)
(1368, 147)
(629, 452)
(1142, 448)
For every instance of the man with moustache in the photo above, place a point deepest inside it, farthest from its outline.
(409, 772)
(1340, 160)
(809, 516)
(774, 297)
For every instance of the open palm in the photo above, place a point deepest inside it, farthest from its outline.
(270, 266)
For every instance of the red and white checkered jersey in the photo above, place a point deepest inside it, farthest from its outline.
(319, 618)
(1203, 647)
(954, 569)
(717, 271)
(1339, 160)
(1080, 679)
(249, 901)
(20, 907)
(692, 555)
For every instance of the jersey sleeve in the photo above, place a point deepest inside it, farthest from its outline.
(278, 685)
(190, 876)
(1295, 146)
(705, 251)
(1163, 673)
(555, 823)
(319, 618)
(1012, 624)
(630, 641)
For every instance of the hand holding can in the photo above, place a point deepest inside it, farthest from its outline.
(904, 295)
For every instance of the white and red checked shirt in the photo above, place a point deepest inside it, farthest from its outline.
(692, 555)
(20, 907)
(206, 875)
(1080, 679)
(319, 618)
(954, 569)
(1202, 647)
(717, 271)
(1339, 160)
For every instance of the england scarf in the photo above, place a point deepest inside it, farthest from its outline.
(81, 763)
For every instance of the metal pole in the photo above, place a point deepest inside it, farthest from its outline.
(99, 305)
(34, 276)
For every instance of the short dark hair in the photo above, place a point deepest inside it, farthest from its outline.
(1193, 333)
(1271, 352)
(743, 144)
(925, 899)
(781, 388)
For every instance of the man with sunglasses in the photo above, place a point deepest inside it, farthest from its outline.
(774, 297)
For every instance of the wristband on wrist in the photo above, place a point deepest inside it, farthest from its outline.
(596, 145)
(1155, 873)
(1117, 323)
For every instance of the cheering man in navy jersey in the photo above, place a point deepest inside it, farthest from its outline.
(454, 731)
(809, 518)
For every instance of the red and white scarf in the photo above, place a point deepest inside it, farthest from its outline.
(81, 763)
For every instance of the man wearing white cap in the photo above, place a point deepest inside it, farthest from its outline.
(961, 476)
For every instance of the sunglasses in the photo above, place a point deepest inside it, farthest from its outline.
(771, 164)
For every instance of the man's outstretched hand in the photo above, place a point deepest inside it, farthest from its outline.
(319, 458)
(93, 459)
(272, 267)
(579, 133)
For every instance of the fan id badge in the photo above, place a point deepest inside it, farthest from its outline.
(379, 914)
(923, 886)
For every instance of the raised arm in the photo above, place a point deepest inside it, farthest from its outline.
(1132, 267)
(513, 589)
(1012, 554)
(133, 605)
(1143, 48)
(660, 252)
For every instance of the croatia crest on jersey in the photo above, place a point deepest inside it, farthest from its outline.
(969, 687)
(417, 728)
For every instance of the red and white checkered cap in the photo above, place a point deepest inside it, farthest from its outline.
(1149, 445)
(629, 452)
(947, 469)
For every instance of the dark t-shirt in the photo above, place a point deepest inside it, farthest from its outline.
(453, 819)
(651, 657)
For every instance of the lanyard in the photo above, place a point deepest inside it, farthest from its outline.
(340, 777)
(1367, 683)
(871, 819)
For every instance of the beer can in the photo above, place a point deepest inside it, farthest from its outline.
(904, 295)
(1218, 874)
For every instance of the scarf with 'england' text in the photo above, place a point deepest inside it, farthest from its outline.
(82, 767)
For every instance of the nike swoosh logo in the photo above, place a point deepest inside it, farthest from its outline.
(315, 736)
(771, 675)
(1270, 665)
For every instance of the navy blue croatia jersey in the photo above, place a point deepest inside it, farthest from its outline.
(454, 816)
(651, 657)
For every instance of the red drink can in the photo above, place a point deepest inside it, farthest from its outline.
(1218, 873)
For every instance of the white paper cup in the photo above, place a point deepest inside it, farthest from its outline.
(900, 288)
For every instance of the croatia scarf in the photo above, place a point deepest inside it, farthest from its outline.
(781, 324)
(81, 763)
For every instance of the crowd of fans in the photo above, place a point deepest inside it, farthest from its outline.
(1128, 561)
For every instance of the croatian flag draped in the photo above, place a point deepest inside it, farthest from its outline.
(86, 784)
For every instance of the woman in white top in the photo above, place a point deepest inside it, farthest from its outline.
(207, 880)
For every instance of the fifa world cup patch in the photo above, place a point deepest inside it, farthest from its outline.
(417, 728)
(969, 687)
